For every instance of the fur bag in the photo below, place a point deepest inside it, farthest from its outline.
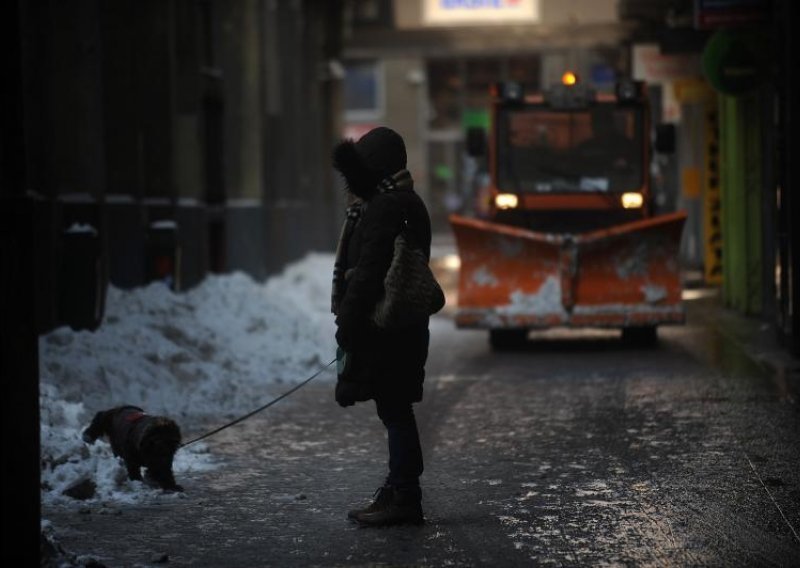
(412, 293)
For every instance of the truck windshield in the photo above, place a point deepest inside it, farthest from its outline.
(544, 150)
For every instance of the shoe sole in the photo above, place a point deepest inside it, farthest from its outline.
(370, 524)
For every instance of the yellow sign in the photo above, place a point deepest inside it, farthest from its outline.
(712, 223)
(690, 178)
(694, 90)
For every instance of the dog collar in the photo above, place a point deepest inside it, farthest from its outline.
(134, 417)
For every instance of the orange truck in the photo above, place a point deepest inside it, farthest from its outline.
(570, 239)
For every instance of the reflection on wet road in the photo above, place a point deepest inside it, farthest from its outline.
(588, 452)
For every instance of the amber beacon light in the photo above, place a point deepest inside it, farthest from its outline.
(569, 78)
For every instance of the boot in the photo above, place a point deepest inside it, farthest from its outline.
(383, 495)
(404, 507)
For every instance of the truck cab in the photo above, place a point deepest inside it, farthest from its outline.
(569, 159)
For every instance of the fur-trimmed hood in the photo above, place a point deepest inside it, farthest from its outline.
(378, 154)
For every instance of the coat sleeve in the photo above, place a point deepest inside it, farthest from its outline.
(379, 227)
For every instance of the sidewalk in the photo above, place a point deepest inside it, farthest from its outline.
(755, 337)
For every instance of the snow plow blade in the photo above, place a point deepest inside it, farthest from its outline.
(623, 276)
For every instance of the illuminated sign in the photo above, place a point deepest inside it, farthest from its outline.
(713, 14)
(477, 12)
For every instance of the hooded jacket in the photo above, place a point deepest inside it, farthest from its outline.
(386, 364)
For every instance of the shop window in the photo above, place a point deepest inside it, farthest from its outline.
(459, 89)
(363, 90)
(525, 71)
(481, 74)
(445, 86)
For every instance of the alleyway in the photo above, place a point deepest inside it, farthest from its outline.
(576, 450)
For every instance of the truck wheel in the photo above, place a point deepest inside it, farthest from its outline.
(643, 336)
(506, 339)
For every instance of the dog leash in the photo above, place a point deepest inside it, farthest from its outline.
(257, 410)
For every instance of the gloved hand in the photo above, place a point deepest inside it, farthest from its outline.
(345, 335)
(342, 339)
(346, 392)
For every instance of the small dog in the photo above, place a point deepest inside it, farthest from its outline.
(140, 440)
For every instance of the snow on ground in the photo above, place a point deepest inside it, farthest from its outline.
(202, 357)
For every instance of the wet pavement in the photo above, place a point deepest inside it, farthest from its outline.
(574, 450)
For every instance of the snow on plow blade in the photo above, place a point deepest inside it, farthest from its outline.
(623, 276)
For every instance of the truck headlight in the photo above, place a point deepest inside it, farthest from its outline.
(632, 200)
(506, 201)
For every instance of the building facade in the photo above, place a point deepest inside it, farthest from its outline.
(425, 67)
(171, 139)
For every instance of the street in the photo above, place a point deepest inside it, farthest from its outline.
(574, 450)
(189, 187)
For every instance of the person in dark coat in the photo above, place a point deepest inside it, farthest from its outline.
(387, 366)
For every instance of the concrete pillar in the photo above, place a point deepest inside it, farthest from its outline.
(299, 198)
(406, 104)
(243, 168)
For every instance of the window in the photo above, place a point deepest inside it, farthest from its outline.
(363, 90)
(481, 74)
(445, 86)
(458, 89)
(371, 13)
(544, 150)
(525, 71)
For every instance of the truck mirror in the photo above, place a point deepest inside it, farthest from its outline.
(476, 141)
(665, 138)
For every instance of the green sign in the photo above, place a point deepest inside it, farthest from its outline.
(734, 62)
(475, 117)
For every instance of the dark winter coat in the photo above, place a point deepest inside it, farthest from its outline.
(386, 364)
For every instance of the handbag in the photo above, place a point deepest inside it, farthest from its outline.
(411, 292)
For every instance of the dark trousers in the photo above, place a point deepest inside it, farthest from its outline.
(405, 453)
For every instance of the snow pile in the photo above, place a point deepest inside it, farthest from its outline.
(201, 357)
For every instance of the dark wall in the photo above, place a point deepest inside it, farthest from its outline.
(300, 202)
(215, 115)
(62, 58)
(786, 196)
(136, 83)
(19, 360)
(125, 141)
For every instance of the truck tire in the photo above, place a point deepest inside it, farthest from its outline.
(640, 336)
(507, 339)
